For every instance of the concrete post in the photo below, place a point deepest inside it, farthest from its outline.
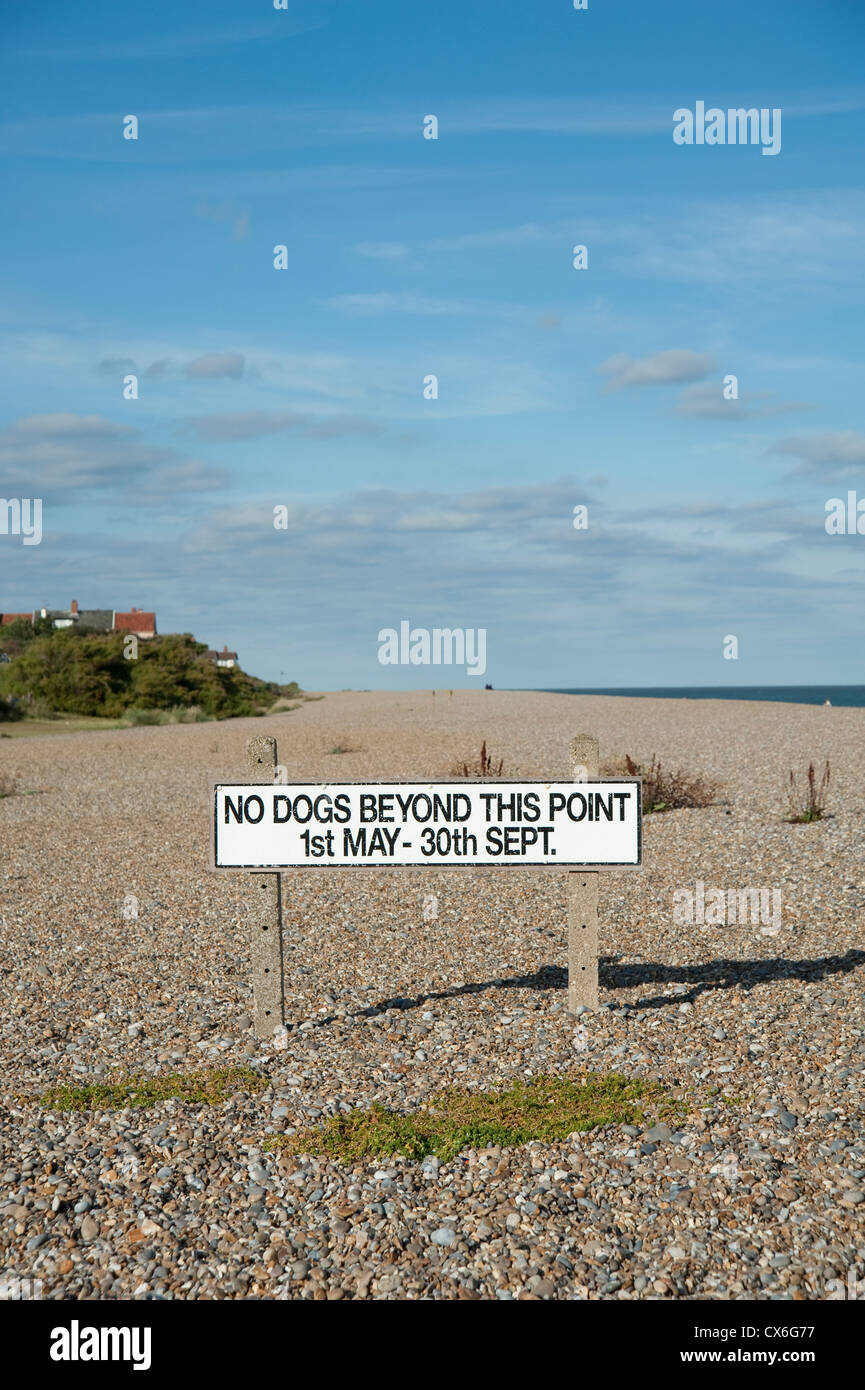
(265, 918)
(583, 899)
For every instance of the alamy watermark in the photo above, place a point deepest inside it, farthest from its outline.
(732, 127)
(15, 1288)
(443, 646)
(77, 1343)
(21, 517)
(855, 1288)
(842, 519)
(713, 907)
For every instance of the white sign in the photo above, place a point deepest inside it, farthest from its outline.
(500, 824)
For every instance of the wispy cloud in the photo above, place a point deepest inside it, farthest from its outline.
(658, 369)
(706, 401)
(386, 302)
(175, 45)
(383, 250)
(64, 455)
(222, 213)
(825, 456)
(217, 364)
(252, 424)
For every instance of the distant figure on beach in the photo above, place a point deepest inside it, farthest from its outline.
(487, 687)
(827, 702)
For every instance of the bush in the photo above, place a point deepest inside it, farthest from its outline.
(86, 673)
(136, 717)
(40, 709)
(9, 710)
(664, 790)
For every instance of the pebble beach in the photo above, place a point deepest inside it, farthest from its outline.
(122, 953)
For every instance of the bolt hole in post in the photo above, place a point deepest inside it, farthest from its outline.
(583, 899)
(266, 923)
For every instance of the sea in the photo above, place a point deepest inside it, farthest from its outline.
(837, 695)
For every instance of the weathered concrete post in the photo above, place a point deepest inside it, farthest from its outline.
(583, 900)
(266, 915)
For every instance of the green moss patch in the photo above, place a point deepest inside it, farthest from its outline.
(209, 1087)
(547, 1108)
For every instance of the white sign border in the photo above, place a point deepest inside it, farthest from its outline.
(425, 868)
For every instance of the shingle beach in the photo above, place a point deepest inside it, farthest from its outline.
(757, 1191)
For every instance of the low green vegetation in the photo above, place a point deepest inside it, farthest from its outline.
(547, 1108)
(80, 672)
(209, 1087)
(808, 802)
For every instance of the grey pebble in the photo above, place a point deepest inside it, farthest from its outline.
(444, 1235)
(658, 1133)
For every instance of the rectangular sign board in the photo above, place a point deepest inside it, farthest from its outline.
(562, 825)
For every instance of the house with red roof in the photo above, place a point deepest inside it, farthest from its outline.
(138, 622)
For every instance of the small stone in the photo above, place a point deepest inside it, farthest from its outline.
(853, 1196)
(787, 1120)
(444, 1235)
(658, 1133)
(89, 1229)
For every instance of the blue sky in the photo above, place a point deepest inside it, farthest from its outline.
(409, 257)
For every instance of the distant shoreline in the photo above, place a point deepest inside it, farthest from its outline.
(842, 696)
